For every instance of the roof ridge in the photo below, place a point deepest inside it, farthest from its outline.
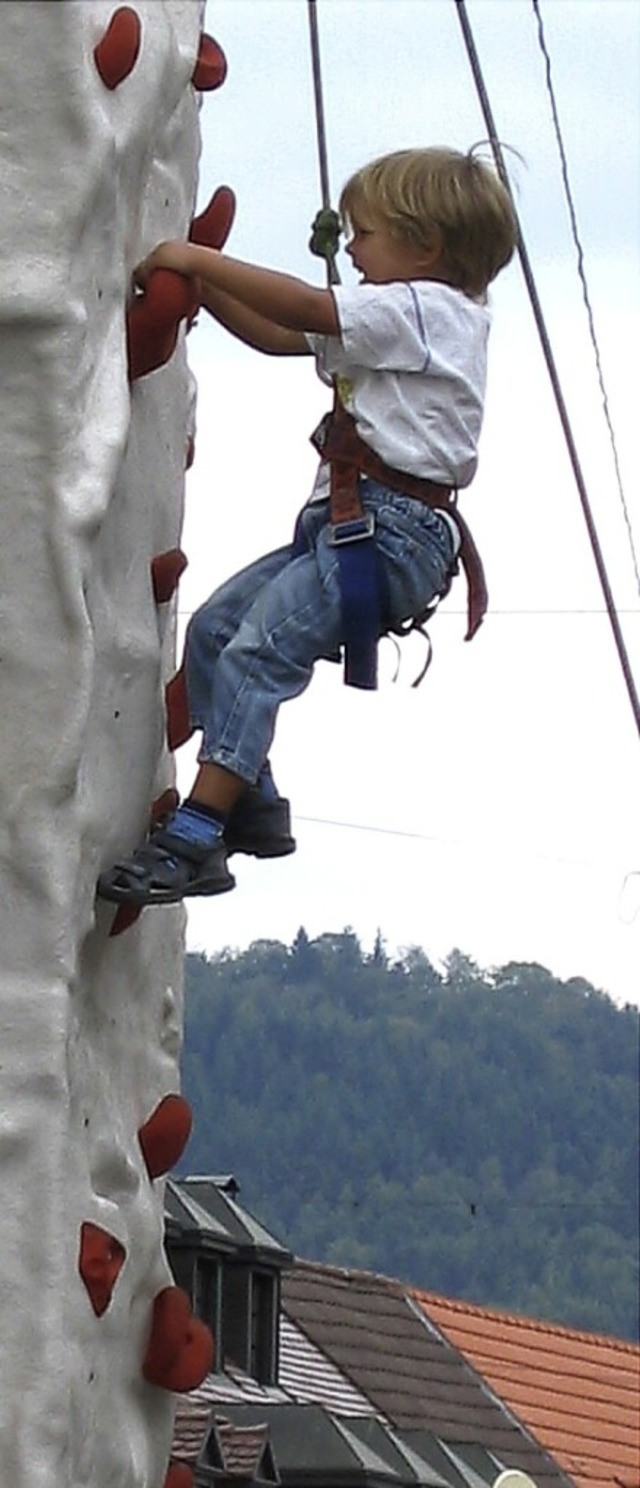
(521, 1320)
(351, 1273)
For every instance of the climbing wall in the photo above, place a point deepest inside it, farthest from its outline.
(99, 146)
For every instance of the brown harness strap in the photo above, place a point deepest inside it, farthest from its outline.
(338, 442)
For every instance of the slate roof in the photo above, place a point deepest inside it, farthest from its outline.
(380, 1338)
(307, 1375)
(233, 1387)
(207, 1208)
(578, 1393)
(315, 1449)
(343, 1419)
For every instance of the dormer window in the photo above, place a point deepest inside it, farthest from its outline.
(265, 1312)
(230, 1266)
(238, 1452)
(249, 1332)
(207, 1293)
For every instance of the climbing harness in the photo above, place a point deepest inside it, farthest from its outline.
(338, 442)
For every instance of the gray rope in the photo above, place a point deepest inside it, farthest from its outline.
(551, 368)
(585, 288)
(326, 225)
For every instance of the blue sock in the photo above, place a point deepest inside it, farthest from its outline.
(194, 825)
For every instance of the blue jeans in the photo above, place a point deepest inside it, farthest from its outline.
(255, 642)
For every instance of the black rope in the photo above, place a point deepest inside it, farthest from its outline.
(573, 216)
(551, 367)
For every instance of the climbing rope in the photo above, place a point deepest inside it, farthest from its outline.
(325, 229)
(527, 271)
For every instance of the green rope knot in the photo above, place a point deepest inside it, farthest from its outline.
(325, 234)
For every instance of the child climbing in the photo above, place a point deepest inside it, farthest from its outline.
(380, 536)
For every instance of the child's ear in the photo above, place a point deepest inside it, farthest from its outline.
(433, 250)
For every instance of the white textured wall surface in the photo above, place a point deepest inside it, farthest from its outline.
(91, 482)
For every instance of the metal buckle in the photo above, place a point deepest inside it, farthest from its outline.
(355, 530)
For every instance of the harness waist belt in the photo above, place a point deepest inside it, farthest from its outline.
(338, 442)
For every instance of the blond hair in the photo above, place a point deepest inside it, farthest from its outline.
(422, 193)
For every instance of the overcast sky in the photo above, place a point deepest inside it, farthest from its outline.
(496, 808)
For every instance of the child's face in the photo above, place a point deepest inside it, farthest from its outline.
(382, 258)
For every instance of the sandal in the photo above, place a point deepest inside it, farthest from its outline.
(183, 857)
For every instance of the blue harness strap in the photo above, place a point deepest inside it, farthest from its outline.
(361, 599)
(352, 534)
(362, 590)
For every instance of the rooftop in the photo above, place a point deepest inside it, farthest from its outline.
(578, 1393)
(380, 1338)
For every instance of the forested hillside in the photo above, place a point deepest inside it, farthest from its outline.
(473, 1134)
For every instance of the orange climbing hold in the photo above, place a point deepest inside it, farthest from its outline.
(164, 1136)
(180, 1349)
(116, 54)
(153, 319)
(212, 227)
(179, 1476)
(179, 727)
(166, 569)
(211, 65)
(100, 1262)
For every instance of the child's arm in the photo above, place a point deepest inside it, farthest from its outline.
(279, 298)
(255, 330)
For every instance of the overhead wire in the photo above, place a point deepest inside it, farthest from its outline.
(527, 271)
(573, 217)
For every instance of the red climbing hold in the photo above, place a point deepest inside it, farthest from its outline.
(100, 1262)
(164, 1136)
(166, 569)
(179, 1476)
(124, 917)
(153, 319)
(212, 227)
(180, 1350)
(179, 727)
(211, 65)
(116, 55)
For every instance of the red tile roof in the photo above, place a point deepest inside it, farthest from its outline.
(242, 1448)
(577, 1393)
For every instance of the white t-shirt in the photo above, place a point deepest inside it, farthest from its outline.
(411, 368)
